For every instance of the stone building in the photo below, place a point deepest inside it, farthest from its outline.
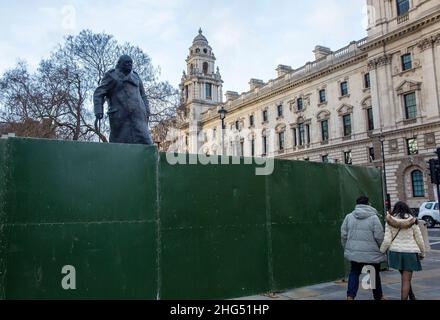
(379, 92)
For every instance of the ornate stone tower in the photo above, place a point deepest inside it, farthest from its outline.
(200, 89)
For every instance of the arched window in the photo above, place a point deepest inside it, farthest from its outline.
(418, 185)
(205, 67)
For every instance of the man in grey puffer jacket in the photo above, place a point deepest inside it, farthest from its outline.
(361, 235)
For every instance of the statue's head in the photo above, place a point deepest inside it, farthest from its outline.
(125, 64)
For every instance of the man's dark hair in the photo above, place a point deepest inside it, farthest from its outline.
(362, 200)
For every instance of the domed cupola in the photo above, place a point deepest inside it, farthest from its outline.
(200, 39)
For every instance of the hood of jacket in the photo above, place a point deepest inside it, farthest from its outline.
(401, 223)
(363, 211)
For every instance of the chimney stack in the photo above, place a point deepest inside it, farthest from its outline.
(255, 83)
(231, 95)
(321, 52)
(282, 70)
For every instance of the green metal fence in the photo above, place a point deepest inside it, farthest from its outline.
(136, 227)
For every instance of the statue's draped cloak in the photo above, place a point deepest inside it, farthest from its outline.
(128, 107)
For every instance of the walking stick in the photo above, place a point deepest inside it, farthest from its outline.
(98, 128)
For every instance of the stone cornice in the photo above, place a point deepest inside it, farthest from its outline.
(379, 61)
(429, 42)
(354, 142)
(395, 35)
(291, 85)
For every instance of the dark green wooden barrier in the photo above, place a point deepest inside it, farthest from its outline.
(134, 226)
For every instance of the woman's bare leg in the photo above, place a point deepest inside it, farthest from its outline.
(411, 294)
(406, 284)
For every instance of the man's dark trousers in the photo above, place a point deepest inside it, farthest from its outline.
(353, 279)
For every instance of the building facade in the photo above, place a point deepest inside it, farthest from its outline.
(377, 98)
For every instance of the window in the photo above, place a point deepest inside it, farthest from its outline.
(412, 147)
(308, 133)
(370, 119)
(429, 205)
(347, 124)
(280, 111)
(406, 62)
(253, 147)
(208, 90)
(324, 130)
(418, 185)
(300, 104)
(325, 158)
(302, 133)
(251, 120)
(265, 116)
(186, 140)
(264, 145)
(281, 140)
(344, 88)
(237, 125)
(371, 155)
(295, 140)
(205, 67)
(214, 133)
(241, 148)
(410, 105)
(402, 7)
(322, 96)
(348, 158)
(367, 82)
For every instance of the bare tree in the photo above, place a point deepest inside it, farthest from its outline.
(61, 90)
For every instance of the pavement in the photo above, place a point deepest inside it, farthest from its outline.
(426, 283)
(434, 238)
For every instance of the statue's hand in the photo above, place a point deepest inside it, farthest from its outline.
(99, 116)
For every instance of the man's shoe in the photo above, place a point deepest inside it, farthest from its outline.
(350, 298)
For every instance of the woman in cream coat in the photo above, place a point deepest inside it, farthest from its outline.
(405, 243)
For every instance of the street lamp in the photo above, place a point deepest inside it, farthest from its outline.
(387, 196)
(222, 112)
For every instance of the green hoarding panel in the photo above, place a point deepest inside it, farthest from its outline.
(305, 213)
(213, 231)
(136, 226)
(92, 206)
(3, 238)
(55, 181)
(357, 181)
(110, 259)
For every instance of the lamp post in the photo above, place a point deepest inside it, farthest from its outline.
(384, 173)
(222, 112)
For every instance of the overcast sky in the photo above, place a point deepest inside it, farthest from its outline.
(249, 38)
